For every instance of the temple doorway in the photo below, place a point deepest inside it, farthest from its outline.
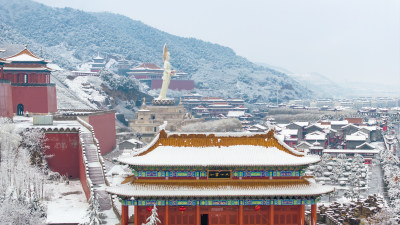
(20, 110)
(204, 219)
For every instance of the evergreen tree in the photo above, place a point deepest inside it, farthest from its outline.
(94, 213)
(153, 218)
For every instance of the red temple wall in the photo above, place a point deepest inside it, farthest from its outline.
(225, 215)
(36, 99)
(82, 173)
(104, 129)
(6, 107)
(174, 85)
(65, 150)
(52, 99)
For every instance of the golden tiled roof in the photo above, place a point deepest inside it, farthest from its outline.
(211, 140)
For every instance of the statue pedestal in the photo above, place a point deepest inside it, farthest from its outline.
(163, 102)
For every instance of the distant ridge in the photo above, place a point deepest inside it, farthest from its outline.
(70, 37)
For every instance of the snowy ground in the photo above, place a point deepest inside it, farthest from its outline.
(66, 203)
(87, 88)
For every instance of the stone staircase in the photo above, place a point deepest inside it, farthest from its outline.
(94, 165)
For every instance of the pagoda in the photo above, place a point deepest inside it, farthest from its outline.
(98, 63)
(26, 81)
(219, 179)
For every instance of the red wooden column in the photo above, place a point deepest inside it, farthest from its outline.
(198, 221)
(124, 215)
(240, 214)
(314, 214)
(271, 215)
(136, 216)
(302, 215)
(2, 72)
(166, 215)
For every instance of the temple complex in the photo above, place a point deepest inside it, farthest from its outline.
(25, 85)
(220, 178)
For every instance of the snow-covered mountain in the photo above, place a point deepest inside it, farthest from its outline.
(70, 37)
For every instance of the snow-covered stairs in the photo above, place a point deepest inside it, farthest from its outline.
(94, 168)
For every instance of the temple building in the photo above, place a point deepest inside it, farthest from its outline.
(98, 64)
(25, 85)
(149, 118)
(219, 179)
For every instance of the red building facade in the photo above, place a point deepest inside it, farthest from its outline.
(219, 179)
(29, 78)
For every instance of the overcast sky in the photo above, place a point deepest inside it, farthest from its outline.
(345, 40)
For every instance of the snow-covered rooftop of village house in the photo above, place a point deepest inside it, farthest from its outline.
(315, 136)
(355, 138)
(343, 122)
(226, 149)
(261, 127)
(365, 144)
(210, 188)
(301, 124)
(350, 125)
(289, 132)
(235, 113)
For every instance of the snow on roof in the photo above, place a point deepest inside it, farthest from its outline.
(315, 136)
(350, 125)
(289, 132)
(370, 128)
(301, 124)
(25, 56)
(235, 113)
(257, 149)
(259, 126)
(243, 155)
(343, 122)
(355, 138)
(360, 133)
(209, 188)
(304, 143)
(365, 143)
(98, 56)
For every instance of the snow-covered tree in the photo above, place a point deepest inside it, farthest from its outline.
(153, 218)
(21, 183)
(33, 140)
(385, 217)
(93, 211)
